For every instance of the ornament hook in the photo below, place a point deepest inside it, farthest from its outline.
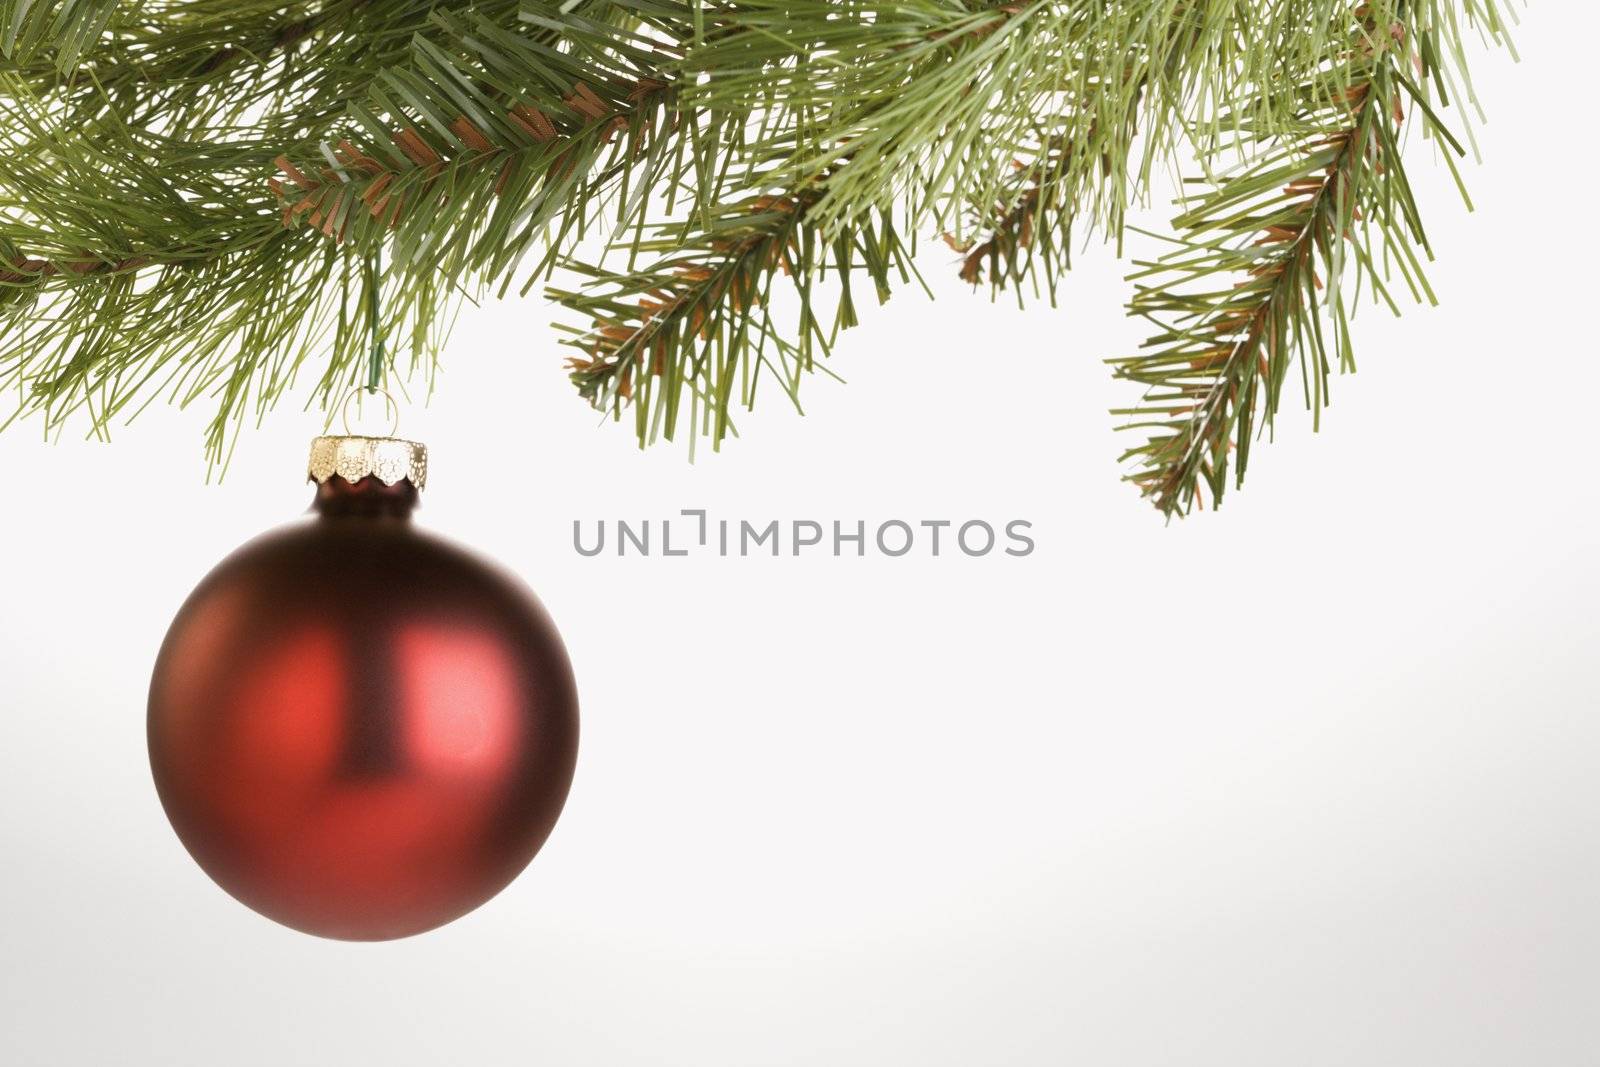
(391, 407)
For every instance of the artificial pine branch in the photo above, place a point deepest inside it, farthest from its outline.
(689, 322)
(1331, 200)
(151, 152)
(1030, 227)
(889, 99)
(231, 289)
(696, 324)
(1081, 154)
(491, 104)
(56, 32)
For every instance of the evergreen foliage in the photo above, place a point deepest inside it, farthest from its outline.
(200, 199)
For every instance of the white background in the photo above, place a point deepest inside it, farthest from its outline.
(1308, 781)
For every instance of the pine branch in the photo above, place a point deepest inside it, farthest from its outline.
(208, 67)
(1078, 166)
(490, 137)
(393, 188)
(1033, 226)
(902, 112)
(144, 251)
(1331, 200)
(121, 222)
(692, 319)
(697, 323)
(287, 36)
(886, 98)
(59, 31)
(480, 92)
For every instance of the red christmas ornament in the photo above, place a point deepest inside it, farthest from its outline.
(357, 729)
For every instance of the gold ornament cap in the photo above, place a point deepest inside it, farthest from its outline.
(352, 457)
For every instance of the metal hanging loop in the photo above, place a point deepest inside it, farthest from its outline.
(391, 407)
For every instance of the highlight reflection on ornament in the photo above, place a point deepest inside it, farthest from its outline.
(357, 729)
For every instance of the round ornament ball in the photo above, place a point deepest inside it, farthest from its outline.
(357, 729)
